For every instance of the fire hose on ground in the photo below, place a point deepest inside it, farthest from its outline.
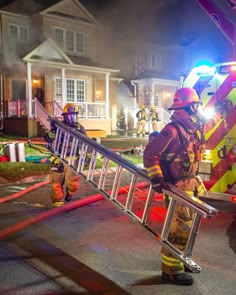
(12, 229)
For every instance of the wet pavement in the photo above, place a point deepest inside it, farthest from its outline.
(95, 249)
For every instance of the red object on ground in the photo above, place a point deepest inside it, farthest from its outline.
(24, 191)
(12, 229)
(4, 159)
(4, 233)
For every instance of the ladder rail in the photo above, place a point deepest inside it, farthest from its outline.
(118, 180)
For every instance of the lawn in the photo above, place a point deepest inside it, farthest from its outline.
(37, 156)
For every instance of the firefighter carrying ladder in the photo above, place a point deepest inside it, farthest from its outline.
(128, 188)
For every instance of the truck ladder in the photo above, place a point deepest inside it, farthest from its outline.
(128, 188)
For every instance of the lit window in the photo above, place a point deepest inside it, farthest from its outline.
(70, 91)
(75, 90)
(58, 89)
(80, 90)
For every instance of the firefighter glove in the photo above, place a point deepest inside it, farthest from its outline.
(224, 107)
(158, 184)
(50, 137)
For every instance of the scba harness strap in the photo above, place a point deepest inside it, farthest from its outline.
(185, 158)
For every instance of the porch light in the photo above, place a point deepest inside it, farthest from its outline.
(167, 94)
(98, 94)
(35, 82)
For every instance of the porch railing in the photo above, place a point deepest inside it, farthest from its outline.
(42, 115)
(92, 110)
(19, 108)
(86, 109)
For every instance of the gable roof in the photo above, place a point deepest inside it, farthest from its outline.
(28, 7)
(70, 9)
(48, 51)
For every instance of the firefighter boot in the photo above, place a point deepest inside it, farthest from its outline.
(178, 279)
(57, 204)
(68, 196)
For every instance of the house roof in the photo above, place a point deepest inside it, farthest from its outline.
(156, 75)
(52, 7)
(49, 53)
(28, 7)
(80, 60)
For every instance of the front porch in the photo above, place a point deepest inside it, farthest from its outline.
(16, 122)
(50, 80)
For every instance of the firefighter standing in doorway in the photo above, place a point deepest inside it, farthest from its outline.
(141, 115)
(154, 118)
(173, 157)
(59, 173)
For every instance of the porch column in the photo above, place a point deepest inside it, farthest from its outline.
(63, 87)
(151, 102)
(29, 89)
(152, 92)
(107, 95)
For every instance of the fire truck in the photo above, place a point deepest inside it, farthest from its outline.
(216, 83)
(218, 165)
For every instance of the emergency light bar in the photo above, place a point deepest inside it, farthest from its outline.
(226, 68)
(205, 70)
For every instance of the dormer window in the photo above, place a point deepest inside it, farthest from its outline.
(70, 41)
(18, 33)
(155, 60)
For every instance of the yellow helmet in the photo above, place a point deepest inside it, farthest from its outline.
(184, 97)
(70, 108)
(142, 107)
(70, 112)
(153, 108)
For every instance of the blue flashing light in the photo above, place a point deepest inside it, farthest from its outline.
(204, 63)
(205, 68)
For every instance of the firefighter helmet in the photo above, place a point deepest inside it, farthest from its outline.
(184, 97)
(153, 108)
(70, 112)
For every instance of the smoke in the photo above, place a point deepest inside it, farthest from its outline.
(132, 20)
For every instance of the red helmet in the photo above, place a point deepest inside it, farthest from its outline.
(184, 97)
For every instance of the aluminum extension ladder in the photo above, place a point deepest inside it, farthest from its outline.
(128, 188)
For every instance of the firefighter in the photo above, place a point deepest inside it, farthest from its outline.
(154, 118)
(59, 173)
(173, 157)
(141, 115)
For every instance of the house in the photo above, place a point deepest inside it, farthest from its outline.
(49, 58)
(154, 74)
(154, 47)
(134, 44)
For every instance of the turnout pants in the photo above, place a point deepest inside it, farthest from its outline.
(141, 127)
(58, 179)
(178, 236)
